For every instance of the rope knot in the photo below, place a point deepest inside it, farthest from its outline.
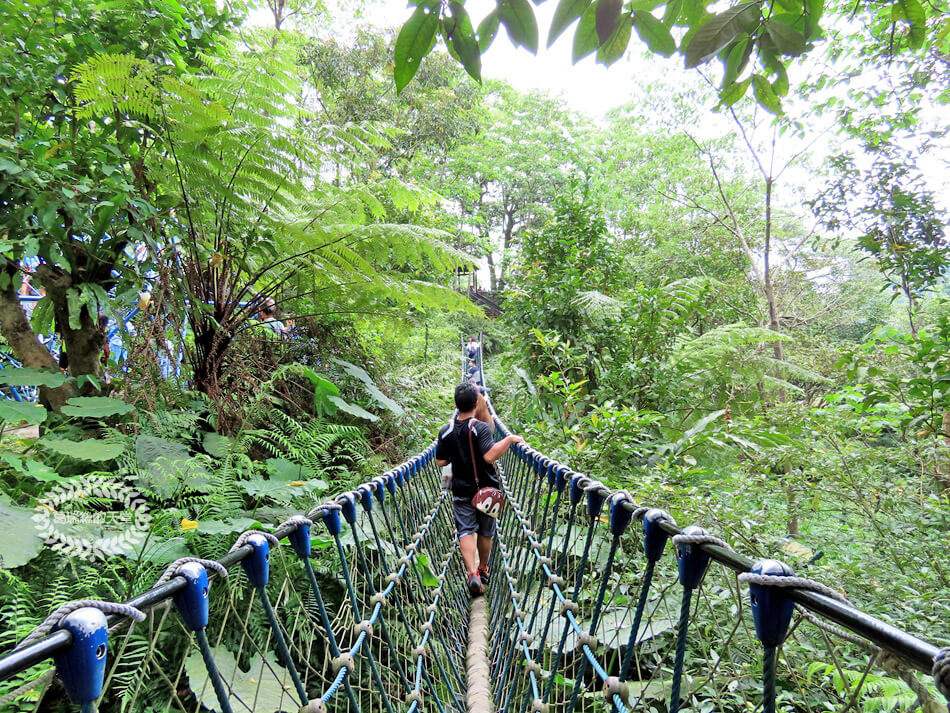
(172, 570)
(243, 537)
(54, 619)
(704, 539)
(941, 673)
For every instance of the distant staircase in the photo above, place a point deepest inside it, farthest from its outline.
(491, 301)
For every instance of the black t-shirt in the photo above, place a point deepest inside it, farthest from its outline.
(453, 446)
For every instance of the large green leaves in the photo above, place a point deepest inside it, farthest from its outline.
(585, 37)
(461, 39)
(606, 17)
(414, 42)
(96, 407)
(567, 11)
(654, 33)
(786, 38)
(17, 411)
(720, 30)
(518, 18)
(913, 12)
(91, 449)
(21, 540)
(31, 377)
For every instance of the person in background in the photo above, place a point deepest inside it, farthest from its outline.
(267, 315)
(475, 529)
(472, 348)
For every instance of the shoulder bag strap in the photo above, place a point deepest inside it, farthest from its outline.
(471, 450)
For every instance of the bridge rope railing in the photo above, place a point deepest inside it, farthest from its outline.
(360, 605)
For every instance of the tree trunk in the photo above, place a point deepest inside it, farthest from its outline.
(491, 271)
(26, 347)
(83, 345)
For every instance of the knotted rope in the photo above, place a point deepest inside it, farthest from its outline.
(53, 620)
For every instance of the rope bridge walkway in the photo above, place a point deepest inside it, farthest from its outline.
(594, 603)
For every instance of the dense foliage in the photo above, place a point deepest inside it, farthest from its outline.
(276, 245)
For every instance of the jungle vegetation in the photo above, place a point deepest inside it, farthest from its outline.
(729, 295)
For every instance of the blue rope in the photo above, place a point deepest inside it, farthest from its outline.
(682, 630)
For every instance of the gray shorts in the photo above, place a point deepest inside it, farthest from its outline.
(469, 520)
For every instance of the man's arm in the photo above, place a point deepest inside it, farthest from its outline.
(500, 448)
(441, 463)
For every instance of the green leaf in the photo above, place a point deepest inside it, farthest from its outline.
(813, 12)
(654, 33)
(148, 449)
(22, 376)
(21, 540)
(464, 42)
(216, 445)
(371, 387)
(765, 95)
(16, 411)
(226, 527)
(352, 409)
(672, 12)
(162, 552)
(74, 304)
(261, 683)
(606, 17)
(429, 578)
(733, 93)
(567, 11)
(787, 39)
(719, 31)
(91, 449)
(914, 13)
(616, 44)
(487, 30)
(780, 85)
(518, 18)
(585, 36)
(96, 407)
(30, 468)
(283, 469)
(736, 60)
(414, 42)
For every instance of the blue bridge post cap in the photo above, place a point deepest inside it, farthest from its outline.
(654, 536)
(551, 468)
(400, 475)
(348, 507)
(379, 486)
(300, 540)
(771, 609)
(366, 496)
(391, 483)
(257, 564)
(82, 667)
(577, 492)
(192, 601)
(331, 518)
(595, 502)
(692, 560)
(620, 514)
(560, 477)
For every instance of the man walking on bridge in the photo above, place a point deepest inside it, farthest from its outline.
(475, 529)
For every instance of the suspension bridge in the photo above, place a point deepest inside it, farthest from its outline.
(595, 602)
